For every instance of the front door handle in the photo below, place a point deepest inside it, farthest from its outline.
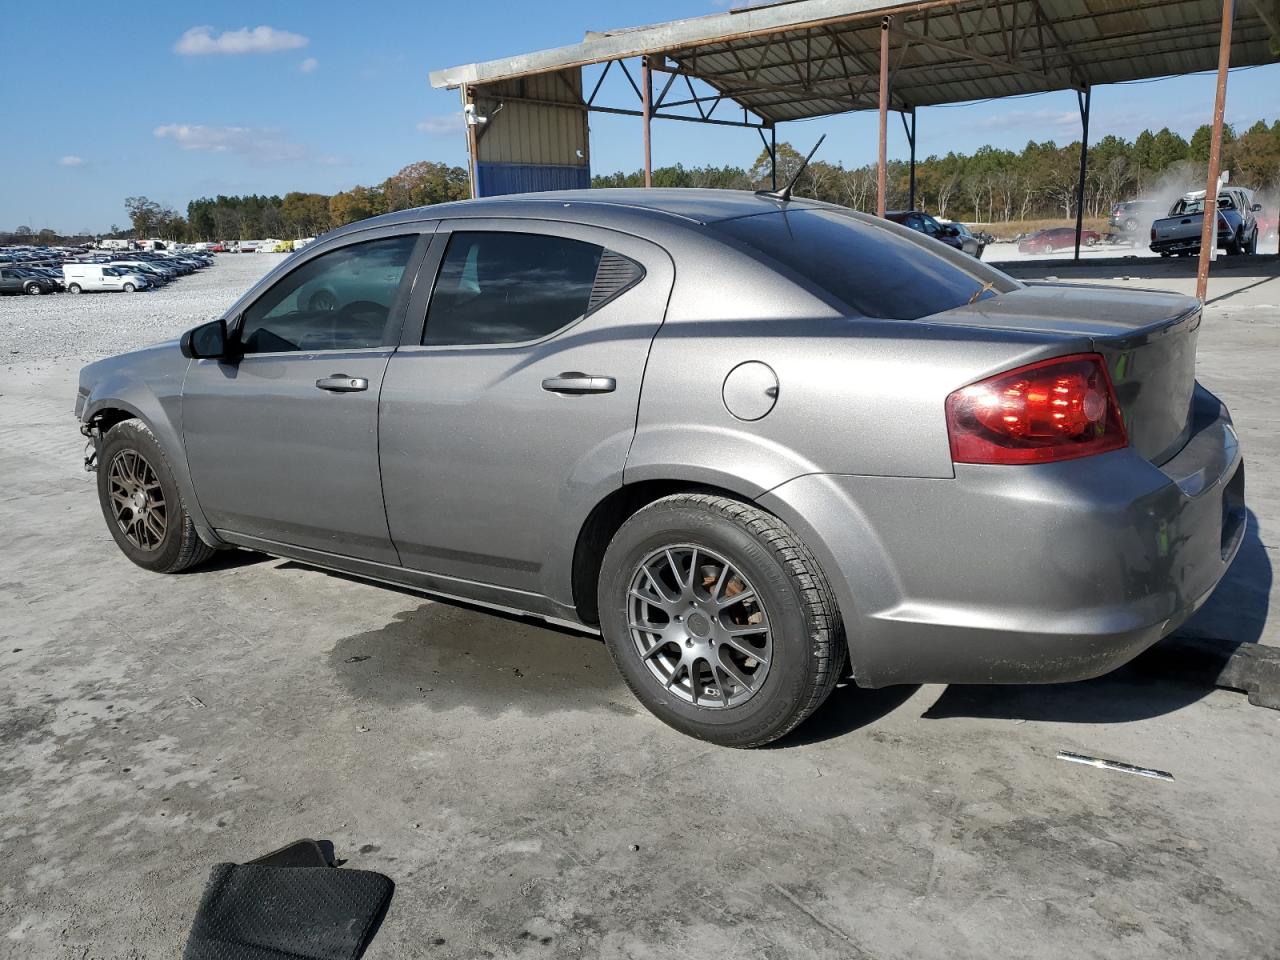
(575, 383)
(341, 383)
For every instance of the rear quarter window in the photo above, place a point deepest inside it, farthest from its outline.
(873, 267)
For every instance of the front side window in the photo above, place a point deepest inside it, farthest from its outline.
(338, 301)
(499, 287)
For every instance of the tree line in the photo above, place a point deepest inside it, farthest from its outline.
(994, 185)
(296, 214)
(990, 185)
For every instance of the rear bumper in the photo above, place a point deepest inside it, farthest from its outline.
(1186, 244)
(1024, 574)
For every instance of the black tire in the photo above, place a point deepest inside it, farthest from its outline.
(33, 289)
(75, 288)
(180, 547)
(808, 650)
(129, 288)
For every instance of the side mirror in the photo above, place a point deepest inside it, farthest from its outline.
(1256, 208)
(950, 231)
(209, 341)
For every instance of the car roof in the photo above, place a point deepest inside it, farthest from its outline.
(607, 206)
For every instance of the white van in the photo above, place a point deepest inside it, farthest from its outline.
(83, 277)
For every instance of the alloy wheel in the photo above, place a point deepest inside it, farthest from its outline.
(699, 626)
(137, 500)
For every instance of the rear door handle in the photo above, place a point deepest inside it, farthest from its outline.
(341, 383)
(575, 383)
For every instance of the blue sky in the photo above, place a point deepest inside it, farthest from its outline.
(184, 100)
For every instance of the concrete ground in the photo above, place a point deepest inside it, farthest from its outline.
(526, 806)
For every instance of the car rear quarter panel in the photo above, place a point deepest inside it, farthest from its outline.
(859, 397)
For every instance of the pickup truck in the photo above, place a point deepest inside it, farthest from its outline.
(1237, 226)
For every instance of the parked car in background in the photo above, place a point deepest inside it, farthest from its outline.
(54, 274)
(98, 277)
(1268, 225)
(548, 404)
(1236, 224)
(24, 280)
(1130, 219)
(156, 274)
(948, 233)
(970, 242)
(1057, 238)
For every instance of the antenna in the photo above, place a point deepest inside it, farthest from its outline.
(785, 193)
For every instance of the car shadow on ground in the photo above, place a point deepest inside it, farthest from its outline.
(1161, 681)
(226, 560)
(1169, 676)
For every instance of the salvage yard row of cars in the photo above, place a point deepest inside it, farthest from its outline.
(39, 270)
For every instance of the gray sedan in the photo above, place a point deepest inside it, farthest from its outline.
(758, 444)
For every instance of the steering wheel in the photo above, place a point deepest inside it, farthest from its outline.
(341, 325)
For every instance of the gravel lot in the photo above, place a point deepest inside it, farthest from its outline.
(93, 325)
(525, 805)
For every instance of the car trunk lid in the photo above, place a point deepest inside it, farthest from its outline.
(1147, 337)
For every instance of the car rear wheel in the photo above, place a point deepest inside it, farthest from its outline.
(142, 504)
(719, 619)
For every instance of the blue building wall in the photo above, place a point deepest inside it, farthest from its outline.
(493, 179)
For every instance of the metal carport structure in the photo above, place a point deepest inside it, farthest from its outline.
(764, 65)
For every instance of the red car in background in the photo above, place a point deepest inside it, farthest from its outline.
(1057, 238)
(1268, 225)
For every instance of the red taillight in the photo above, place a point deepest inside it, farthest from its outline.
(1056, 409)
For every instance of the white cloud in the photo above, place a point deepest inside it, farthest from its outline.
(309, 65)
(254, 142)
(71, 160)
(442, 123)
(1023, 118)
(202, 40)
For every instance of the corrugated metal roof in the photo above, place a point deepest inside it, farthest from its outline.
(808, 58)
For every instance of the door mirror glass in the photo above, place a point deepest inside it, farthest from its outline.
(206, 342)
(1256, 208)
(950, 232)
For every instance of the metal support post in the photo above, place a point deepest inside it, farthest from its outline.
(1083, 100)
(646, 93)
(881, 177)
(1209, 226)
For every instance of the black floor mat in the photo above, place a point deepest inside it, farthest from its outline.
(257, 911)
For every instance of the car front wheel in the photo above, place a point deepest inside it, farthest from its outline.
(719, 619)
(34, 289)
(142, 504)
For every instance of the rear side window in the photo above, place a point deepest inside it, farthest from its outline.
(874, 267)
(500, 287)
